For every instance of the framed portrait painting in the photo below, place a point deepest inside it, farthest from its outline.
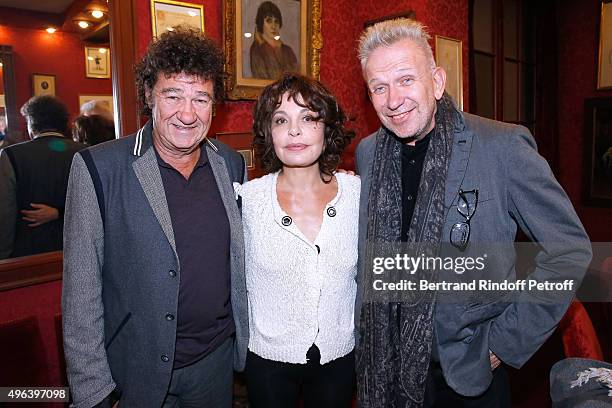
(167, 14)
(43, 84)
(448, 56)
(97, 62)
(598, 152)
(264, 39)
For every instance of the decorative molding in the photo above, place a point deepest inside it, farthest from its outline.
(30, 270)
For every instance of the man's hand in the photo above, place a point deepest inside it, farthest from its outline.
(495, 361)
(40, 215)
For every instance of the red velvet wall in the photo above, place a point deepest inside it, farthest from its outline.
(61, 54)
(44, 302)
(342, 22)
(578, 54)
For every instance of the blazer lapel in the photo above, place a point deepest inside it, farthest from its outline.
(226, 188)
(460, 157)
(147, 172)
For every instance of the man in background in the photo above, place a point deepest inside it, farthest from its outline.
(33, 181)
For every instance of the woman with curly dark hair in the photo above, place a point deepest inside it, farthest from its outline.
(300, 225)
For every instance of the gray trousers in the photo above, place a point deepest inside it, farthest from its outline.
(207, 383)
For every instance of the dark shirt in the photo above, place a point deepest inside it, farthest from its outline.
(413, 158)
(202, 235)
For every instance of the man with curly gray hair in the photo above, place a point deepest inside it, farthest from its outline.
(154, 295)
(435, 177)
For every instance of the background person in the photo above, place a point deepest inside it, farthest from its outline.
(33, 181)
(269, 57)
(93, 129)
(301, 251)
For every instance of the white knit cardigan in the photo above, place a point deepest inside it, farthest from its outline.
(300, 293)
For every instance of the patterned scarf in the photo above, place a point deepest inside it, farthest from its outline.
(396, 338)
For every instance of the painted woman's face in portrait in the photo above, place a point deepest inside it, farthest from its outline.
(271, 30)
(297, 134)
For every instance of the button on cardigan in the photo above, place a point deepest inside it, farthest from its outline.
(300, 292)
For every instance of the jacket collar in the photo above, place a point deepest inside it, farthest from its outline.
(144, 140)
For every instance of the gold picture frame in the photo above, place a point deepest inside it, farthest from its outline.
(97, 62)
(43, 84)
(166, 14)
(449, 56)
(300, 31)
(604, 70)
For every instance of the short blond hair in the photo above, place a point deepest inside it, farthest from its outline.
(387, 33)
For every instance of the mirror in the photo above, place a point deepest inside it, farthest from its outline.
(3, 119)
(58, 47)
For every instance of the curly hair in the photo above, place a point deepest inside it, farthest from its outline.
(309, 94)
(267, 9)
(46, 113)
(182, 50)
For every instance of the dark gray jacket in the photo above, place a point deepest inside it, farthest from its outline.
(121, 271)
(516, 189)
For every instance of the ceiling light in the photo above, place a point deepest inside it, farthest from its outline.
(51, 30)
(169, 28)
(83, 24)
(102, 50)
(97, 9)
(248, 35)
(90, 58)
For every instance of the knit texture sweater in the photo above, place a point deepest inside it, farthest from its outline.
(299, 292)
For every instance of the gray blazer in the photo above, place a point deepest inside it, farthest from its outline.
(121, 271)
(516, 189)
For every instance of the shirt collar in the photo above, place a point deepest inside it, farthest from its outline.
(202, 160)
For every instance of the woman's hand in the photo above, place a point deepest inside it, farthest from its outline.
(41, 214)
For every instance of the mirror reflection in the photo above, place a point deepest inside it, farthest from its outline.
(55, 72)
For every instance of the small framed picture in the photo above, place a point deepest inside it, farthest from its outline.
(97, 62)
(248, 155)
(448, 56)
(43, 84)
(242, 143)
(106, 100)
(167, 14)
